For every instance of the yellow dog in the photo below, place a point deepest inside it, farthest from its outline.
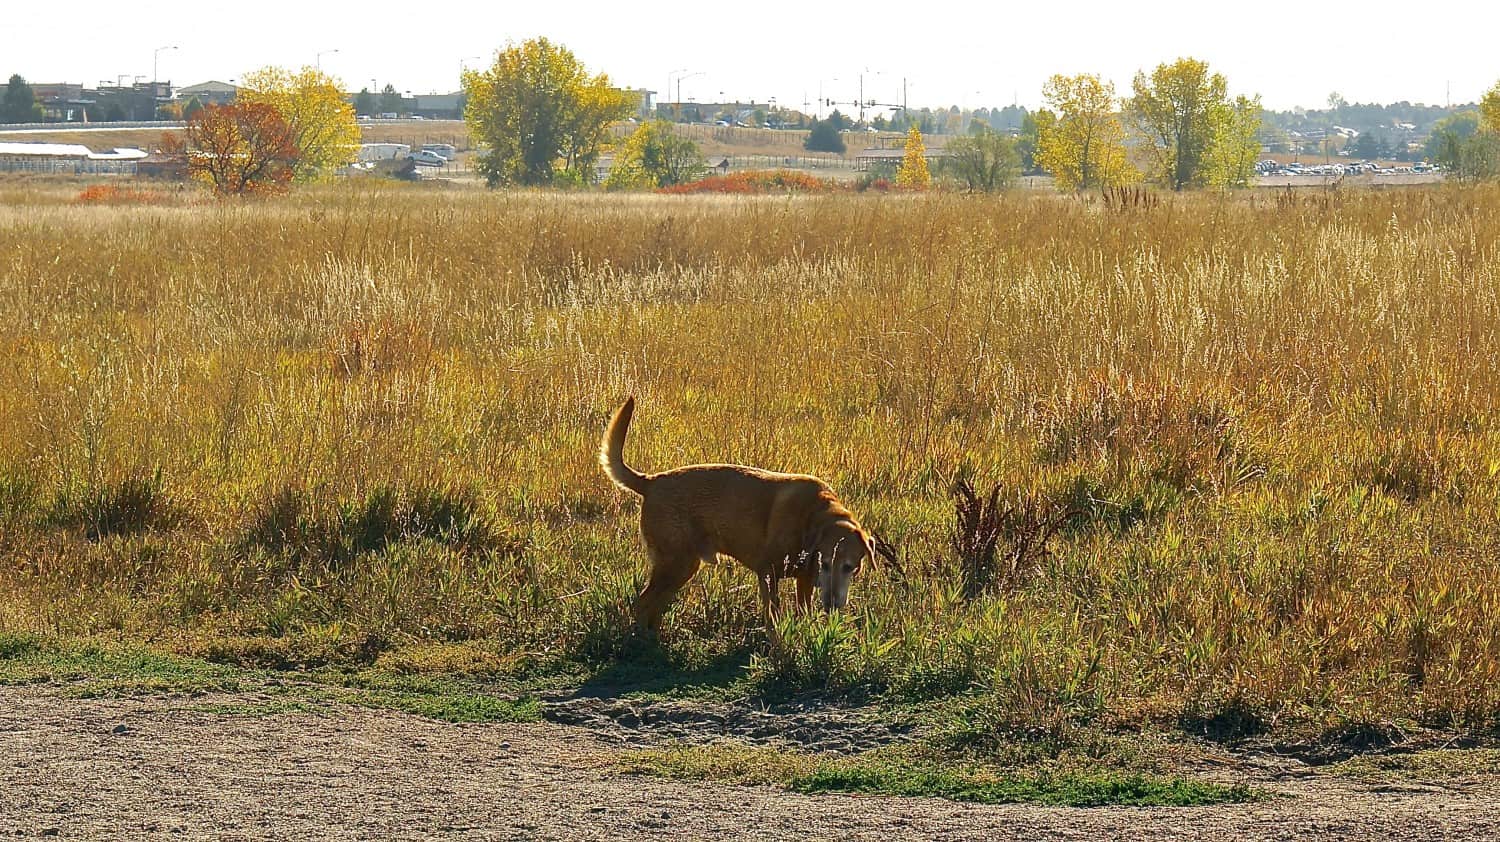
(775, 524)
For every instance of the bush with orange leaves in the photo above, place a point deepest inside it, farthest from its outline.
(241, 149)
(113, 194)
(772, 181)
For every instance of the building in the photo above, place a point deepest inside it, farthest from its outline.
(62, 102)
(137, 102)
(645, 102)
(66, 102)
(438, 106)
(67, 158)
(208, 93)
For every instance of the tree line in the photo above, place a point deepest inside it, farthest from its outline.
(543, 118)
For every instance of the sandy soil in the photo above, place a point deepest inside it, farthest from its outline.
(183, 767)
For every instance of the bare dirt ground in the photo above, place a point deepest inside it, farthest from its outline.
(213, 767)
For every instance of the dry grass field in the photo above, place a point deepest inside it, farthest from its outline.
(358, 424)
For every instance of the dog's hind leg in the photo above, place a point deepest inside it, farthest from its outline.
(669, 572)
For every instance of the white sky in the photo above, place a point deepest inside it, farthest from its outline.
(983, 53)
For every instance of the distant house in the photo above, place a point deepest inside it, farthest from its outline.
(208, 93)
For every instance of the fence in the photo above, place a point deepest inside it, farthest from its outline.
(796, 162)
(64, 166)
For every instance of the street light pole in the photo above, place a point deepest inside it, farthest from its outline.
(155, 57)
(318, 59)
(679, 91)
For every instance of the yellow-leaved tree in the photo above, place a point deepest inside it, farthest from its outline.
(312, 103)
(1489, 109)
(655, 156)
(1083, 145)
(540, 113)
(913, 172)
(1234, 143)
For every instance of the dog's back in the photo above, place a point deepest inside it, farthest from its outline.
(735, 510)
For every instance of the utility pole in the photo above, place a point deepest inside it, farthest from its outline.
(318, 59)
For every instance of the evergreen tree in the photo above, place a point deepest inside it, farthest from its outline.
(19, 104)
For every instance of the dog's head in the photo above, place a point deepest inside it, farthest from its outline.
(840, 550)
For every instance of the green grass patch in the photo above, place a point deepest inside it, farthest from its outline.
(1074, 789)
(95, 670)
(91, 669)
(897, 775)
(445, 698)
(1432, 765)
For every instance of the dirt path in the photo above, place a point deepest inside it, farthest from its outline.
(153, 767)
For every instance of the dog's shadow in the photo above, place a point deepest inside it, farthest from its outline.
(646, 667)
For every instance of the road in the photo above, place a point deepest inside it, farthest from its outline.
(233, 767)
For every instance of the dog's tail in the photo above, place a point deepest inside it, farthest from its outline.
(612, 451)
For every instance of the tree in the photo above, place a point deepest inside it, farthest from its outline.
(1448, 137)
(1031, 132)
(364, 103)
(390, 100)
(586, 129)
(312, 104)
(655, 156)
(1084, 146)
(19, 104)
(824, 136)
(1234, 144)
(913, 172)
(1489, 108)
(985, 160)
(1174, 110)
(537, 106)
(1478, 157)
(241, 148)
(1369, 146)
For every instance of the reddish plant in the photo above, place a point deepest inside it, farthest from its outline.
(241, 149)
(112, 194)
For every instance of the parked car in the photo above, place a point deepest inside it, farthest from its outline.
(447, 150)
(426, 158)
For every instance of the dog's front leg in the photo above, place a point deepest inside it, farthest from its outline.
(770, 604)
(806, 584)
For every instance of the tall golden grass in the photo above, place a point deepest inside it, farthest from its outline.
(357, 417)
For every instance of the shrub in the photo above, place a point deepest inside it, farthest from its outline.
(112, 194)
(136, 503)
(291, 522)
(772, 181)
